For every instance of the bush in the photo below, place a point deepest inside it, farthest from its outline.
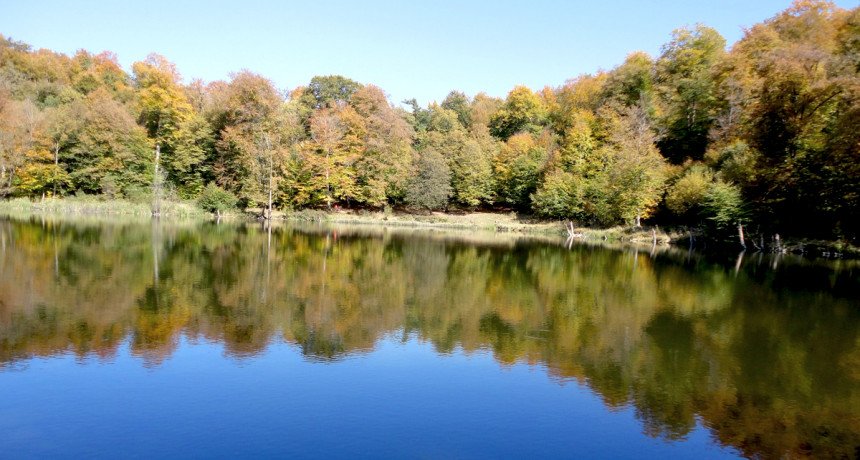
(724, 205)
(216, 200)
(688, 193)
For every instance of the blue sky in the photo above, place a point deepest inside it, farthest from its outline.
(409, 48)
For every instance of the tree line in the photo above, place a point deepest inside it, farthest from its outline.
(763, 133)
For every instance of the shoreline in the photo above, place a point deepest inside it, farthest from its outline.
(490, 222)
(495, 222)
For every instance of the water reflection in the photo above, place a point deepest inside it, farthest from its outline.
(768, 359)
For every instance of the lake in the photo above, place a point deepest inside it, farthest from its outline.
(148, 339)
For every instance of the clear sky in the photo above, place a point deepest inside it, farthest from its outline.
(409, 48)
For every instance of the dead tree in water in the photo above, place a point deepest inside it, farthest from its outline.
(741, 236)
(571, 230)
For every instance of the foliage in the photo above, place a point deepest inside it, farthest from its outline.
(329, 91)
(430, 186)
(469, 156)
(518, 167)
(109, 152)
(560, 196)
(688, 193)
(383, 167)
(216, 200)
(770, 123)
(523, 111)
(688, 91)
(459, 103)
(636, 170)
(723, 205)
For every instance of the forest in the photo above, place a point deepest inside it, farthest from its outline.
(763, 133)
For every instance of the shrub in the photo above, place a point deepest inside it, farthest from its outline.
(216, 200)
(688, 193)
(724, 205)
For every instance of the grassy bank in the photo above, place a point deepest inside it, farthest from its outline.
(496, 222)
(98, 206)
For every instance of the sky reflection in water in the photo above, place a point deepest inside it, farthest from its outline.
(142, 340)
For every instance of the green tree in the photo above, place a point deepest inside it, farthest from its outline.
(251, 104)
(724, 206)
(108, 152)
(561, 195)
(329, 91)
(518, 168)
(469, 159)
(188, 167)
(383, 167)
(430, 186)
(636, 170)
(58, 125)
(686, 196)
(632, 82)
(460, 104)
(216, 200)
(523, 111)
(687, 87)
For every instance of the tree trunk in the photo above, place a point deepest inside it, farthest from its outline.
(270, 192)
(269, 155)
(56, 164)
(328, 183)
(741, 236)
(156, 183)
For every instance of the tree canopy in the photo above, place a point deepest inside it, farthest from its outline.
(763, 132)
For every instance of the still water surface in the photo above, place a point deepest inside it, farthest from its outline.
(174, 340)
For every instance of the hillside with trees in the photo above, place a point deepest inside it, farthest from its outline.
(763, 133)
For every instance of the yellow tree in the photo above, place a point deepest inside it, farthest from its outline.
(330, 155)
(19, 122)
(637, 171)
(383, 166)
(164, 108)
(523, 110)
(250, 104)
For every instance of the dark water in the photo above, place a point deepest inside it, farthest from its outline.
(159, 340)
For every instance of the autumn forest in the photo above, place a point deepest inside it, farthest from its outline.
(703, 135)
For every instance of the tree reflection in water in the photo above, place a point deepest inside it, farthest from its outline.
(768, 359)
